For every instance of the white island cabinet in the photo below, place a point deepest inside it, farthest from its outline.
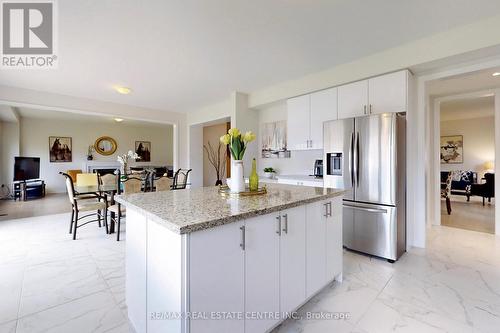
(198, 262)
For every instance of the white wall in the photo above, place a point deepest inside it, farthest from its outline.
(212, 134)
(300, 162)
(35, 134)
(10, 148)
(19, 97)
(195, 154)
(479, 142)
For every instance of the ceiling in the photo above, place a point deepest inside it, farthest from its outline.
(464, 83)
(469, 108)
(179, 55)
(59, 115)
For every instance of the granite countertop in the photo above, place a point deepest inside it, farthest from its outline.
(185, 211)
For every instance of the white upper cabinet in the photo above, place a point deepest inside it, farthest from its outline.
(382, 94)
(306, 115)
(298, 109)
(323, 108)
(388, 93)
(353, 100)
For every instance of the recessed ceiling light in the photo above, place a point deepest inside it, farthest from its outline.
(118, 120)
(123, 90)
(496, 74)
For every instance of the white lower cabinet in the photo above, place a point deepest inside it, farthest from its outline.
(317, 213)
(238, 277)
(135, 278)
(323, 244)
(262, 245)
(292, 258)
(216, 278)
(334, 250)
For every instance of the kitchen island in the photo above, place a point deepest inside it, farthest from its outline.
(200, 262)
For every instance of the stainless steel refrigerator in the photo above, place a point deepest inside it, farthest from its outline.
(367, 157)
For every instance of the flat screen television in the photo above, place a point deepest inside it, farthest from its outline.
(26, 168)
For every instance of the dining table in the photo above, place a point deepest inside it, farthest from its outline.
(103, 190)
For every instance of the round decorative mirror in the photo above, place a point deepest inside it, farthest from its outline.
(105, 145)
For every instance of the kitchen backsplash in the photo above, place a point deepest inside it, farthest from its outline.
(301, 162)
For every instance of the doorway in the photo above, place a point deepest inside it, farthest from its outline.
(467, 155)
(459, 90)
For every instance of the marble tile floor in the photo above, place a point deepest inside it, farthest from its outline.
(49, 283)
(451, 286)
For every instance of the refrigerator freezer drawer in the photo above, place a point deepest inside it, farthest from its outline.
(372, 229)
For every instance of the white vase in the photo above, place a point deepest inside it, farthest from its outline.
(237, 177)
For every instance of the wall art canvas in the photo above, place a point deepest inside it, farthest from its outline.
(143, 149)
(452, 149)
(274, 140)
(60, 149)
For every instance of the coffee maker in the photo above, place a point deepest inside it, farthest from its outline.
(318, 169)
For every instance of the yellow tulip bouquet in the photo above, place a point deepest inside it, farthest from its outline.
(237, 142)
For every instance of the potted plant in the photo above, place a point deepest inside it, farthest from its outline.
(269, 172)
(123, 159)
(237, 143)
(90, 152)
(217, 159)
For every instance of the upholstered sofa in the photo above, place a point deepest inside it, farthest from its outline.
(461, 183)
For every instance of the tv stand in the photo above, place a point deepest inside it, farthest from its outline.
(29, 189)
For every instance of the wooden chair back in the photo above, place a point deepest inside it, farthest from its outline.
(69, 187)
(163, 184)
(72, 174)
(132, 185)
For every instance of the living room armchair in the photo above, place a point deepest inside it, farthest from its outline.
(486, 190)
(461, 183)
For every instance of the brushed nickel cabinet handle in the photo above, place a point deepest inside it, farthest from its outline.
(285, 224)
(364, 109)
(278, 224)
(242, 242)
(326, 209)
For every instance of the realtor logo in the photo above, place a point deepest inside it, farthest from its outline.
(28, 30)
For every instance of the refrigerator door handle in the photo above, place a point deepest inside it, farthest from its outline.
(357, 159)
(372, 210)
(351, 159)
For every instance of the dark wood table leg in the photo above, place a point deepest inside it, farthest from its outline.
(112, 222)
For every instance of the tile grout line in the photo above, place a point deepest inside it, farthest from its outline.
(374, 299)
(107, 284)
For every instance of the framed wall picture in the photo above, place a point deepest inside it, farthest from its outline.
(60, 149)
(274, 140)
(452, 149)
(143, 149)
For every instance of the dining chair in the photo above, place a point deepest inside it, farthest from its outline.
(180, 179)
(130, 186)
(107, 179)
(162, 184)
(446, 192)
(87, 179)
(95, 208)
